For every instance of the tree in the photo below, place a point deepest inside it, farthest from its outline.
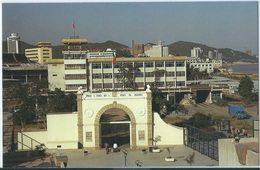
(127, 72)
(25, 111)
(245, 88)
(61, 102)
(158, 74)
(200, 120)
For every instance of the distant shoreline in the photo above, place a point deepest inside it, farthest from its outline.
(239, 63)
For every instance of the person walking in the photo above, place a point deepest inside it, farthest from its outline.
(107, 148)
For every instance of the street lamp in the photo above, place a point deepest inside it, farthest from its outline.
(125, 154)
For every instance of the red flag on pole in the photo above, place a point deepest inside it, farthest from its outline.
(114, 60)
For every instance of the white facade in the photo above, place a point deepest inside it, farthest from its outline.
(157, 51)
(100, 74)
(56, 74)
(196, 52)
(202, 66)
(13, 43)
(106, 54)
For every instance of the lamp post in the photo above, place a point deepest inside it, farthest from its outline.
(125, 154)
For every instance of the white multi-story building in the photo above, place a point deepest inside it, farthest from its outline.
(157, 51)
(100, 73)
(96, 73)
(202, 66)
(196, 52)
(13, 43)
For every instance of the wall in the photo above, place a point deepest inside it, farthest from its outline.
(252, 158)
(40, 136)
(227, 151)
(56, 81)
(170, 135)
(62, 130)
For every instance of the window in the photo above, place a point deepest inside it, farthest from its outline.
(107, 85)
(107, 65)
(107, 75)
(159, 64)
(169, 64)
(139, 74)
(170, 84)
(97, 86)
(170, 74)
(159, 84)
(96, 76)
(75, 76)
(180, 64)
(149, 74)
(54, 75)
(141, 135)
(96, 65)
(180, 73)
(75, 66)
(180, 83)
(118, 85)
(138, 64)
(88, 136)
(159, 74)
(148, 64)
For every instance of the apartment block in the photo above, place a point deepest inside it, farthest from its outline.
(41, 54)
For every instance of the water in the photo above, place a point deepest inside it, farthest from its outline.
(245, 68)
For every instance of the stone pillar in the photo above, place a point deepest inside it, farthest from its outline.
(150, 122)
(80, 120)
(221, 95)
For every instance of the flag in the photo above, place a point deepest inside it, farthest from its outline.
(73, 25)
(114, 60)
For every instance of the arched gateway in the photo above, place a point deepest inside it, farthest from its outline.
(136, 104)
(129, 113)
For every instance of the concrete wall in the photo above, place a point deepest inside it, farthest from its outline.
(56, 77)
(40, 136)
(170, 135)
(227, 151)
(62, 130)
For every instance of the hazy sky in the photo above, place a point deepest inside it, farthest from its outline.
(218, 24)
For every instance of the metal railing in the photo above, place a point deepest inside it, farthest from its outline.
(201, 141)
(32, 142)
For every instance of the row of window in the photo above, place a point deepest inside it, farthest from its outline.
(75, 76)
(140, 64)
(139, 84)
(75, 86)
(206, 65)
(139, 74)
(75, 56)
(75, 66)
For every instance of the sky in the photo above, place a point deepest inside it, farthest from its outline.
(216, 24)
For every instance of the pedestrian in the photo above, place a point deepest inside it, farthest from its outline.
(107, 148)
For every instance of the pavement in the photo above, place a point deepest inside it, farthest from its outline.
(99, 158)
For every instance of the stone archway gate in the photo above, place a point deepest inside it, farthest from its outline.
(136, 104)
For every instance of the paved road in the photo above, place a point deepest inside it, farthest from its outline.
(99, 159)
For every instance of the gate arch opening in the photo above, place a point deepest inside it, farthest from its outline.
(103, 117)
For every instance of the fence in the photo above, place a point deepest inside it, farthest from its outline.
(201, 141)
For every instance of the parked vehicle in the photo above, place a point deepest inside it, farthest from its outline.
(237, 111)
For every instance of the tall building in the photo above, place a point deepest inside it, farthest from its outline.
(41, 54)
(13, 43)
(196, 52)
(210, 55)
(137, 49)
(157, 50)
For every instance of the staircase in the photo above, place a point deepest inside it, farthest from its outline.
(10, 132)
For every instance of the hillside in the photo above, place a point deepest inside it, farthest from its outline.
(57, 50)
(229, 55)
